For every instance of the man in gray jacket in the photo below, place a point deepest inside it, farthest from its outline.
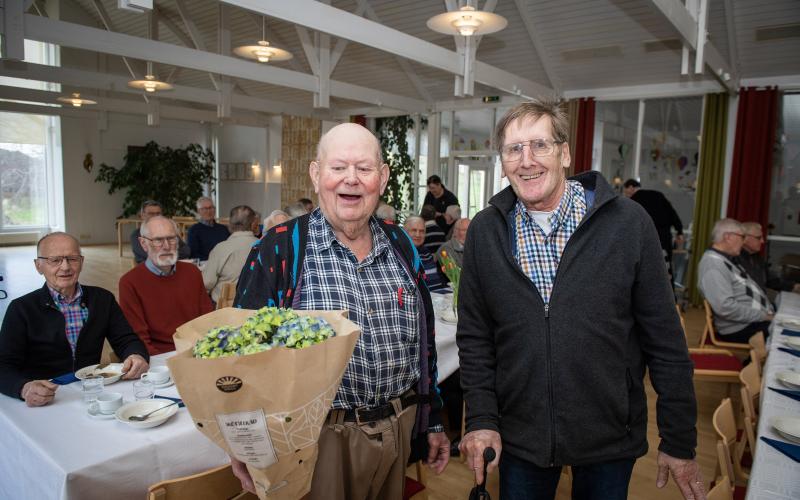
(564, 304)
(741, 307)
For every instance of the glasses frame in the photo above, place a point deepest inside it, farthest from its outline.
(551, 142)
(160, 242)
(71, 259)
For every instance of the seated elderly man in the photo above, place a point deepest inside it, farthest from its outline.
(206, 234)
(434, 235)
(386, 212)
(61, 327)
(740, 307)
(150, 209)
(275, 218)
(755, 265)
(451, 215)
(226, 260)
(455, 245)
(415, 227)
(164, 293)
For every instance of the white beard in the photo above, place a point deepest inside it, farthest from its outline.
(167, 260)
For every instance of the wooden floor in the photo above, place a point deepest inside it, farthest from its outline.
(103, 267)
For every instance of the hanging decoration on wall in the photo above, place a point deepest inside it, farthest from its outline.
(88, 162)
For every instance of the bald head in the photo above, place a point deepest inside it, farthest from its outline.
(347, 131)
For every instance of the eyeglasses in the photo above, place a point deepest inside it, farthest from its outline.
(56, 260)
(741, 235)
(160, 242)
(539, 147)
(756, 236)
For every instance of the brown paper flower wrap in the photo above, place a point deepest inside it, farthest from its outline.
(265, 409)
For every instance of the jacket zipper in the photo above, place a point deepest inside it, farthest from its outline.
(550, 389)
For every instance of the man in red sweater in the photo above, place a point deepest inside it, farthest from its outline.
(161, 293)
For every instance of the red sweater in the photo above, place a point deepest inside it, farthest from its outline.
(156, 305)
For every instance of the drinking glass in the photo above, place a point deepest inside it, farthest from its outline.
(143, 388)
(92, 387)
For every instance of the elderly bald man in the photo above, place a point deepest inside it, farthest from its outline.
(162, 293)
(61, 327)
(341, 257)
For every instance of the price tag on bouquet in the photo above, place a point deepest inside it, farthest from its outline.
(248, 438)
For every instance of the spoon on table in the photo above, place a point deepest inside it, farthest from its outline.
(142, 418)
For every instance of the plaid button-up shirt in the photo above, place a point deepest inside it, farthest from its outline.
(381, 298)
(75, 314)
(538, 254)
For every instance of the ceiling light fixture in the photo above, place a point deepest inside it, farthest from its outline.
(263, 52)
(76, 100)
(150, 84)
(467, 21)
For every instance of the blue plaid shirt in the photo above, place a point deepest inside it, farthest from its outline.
(75, 314)
(538, 254)
(380, 297)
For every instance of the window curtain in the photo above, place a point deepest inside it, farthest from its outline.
(582, 154)
(751, 171)
(571, 109)
(711, 171)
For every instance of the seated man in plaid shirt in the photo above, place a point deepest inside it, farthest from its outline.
(341, 257)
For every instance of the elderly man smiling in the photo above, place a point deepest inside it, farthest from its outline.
(61, 327)
(163, 293)
(341, 257)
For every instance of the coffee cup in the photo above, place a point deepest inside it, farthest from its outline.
(108, 402)
(158, 374)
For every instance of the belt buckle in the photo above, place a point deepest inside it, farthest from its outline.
(358, 416)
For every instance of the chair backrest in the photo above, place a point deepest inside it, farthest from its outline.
(750, 377)
(683, 320)
(724, 421)
(729, 450)
(217, 483)
(226, 295)
(759, 347)
(722, 490)
(710, 336)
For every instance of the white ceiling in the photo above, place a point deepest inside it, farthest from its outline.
(568, 46)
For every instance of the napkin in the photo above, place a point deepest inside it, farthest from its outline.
(790, 450)
(793, 352)
(65, 379)
(791, 333)
(180, 401)
(787, 393)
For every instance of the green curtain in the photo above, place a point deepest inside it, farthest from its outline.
(711, 171)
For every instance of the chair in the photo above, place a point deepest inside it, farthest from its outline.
(722, 490)
(750, 390)
(213, 484)
(415, 488)
(710, 337)
(729, 449)
(712, 365)
(226, 295)
(759, 347)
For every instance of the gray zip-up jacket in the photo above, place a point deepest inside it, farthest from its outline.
(565, 384)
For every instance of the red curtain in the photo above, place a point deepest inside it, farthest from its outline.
(751, 172)
(582, 156)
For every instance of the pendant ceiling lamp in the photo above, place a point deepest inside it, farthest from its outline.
(76, 100)
(467, 21)
(262, 52)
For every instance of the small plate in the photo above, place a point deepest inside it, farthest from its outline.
(788, 427)
(98, 415)
(110, 373)
(791, 323)
(448, 316)
(789, 378)
(144, 406)
(793, 342)
(168, 383)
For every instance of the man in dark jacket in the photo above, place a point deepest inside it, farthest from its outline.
(563, 306)
(751, 260)
(60, 327)
(440, 198)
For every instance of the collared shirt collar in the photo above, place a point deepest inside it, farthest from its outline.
(60, 299)
(327, 237)
(562, 211)
(209, 223)
(158, 272)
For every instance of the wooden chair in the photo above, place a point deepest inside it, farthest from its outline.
(712, 365)
(226, 296)
(759, 347)
(710, 337)
(729, 449)
(415, 488)
(213, 484)
(750, 390)
(722, 490)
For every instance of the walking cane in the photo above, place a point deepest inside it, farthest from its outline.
(479, 491)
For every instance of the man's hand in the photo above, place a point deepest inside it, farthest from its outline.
(769, 317)
(240, 471)
(686, 474)
(472, 446)
(134, 366)
(38, 392)
(439, 451)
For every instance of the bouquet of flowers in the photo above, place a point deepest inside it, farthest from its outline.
(453, 273)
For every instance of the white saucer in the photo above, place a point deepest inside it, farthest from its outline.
(791, 323)
(168, 383)
(788, 427)
(99, 415)
(792, 342)
(789, 378)
(110, 373)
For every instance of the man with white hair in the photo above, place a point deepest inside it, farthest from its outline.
(275, 218)
(163, 293)
(386, 212)
(454, 247)
(226, 260)
(741, 308)
(755, 265)
(206, 234)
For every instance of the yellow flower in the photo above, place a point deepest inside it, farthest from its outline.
(444, 253)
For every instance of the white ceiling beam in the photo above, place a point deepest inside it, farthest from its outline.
(308, 48)
(322, 97)
(538, 45)
(651, 91)
(224, 48)
(733, 48)
(106, 20)
(174, 29)
(342, 24)
(341, 43)
(117, 83)
(784, 82)
(677, 15)
(87, 38)
(195, 39)
(13, 46)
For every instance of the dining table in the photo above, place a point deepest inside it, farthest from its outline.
(60, 452)
(774, 475)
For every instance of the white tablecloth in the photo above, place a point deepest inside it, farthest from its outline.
(446, 349)
(58, 452)
(774, 475)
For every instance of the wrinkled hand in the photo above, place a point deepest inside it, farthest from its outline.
(134, 366)
(438, 452)
(38, 392)
(240, 471)
(472, 446)
(685, 473)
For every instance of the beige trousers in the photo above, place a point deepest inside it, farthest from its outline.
(363, 462)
